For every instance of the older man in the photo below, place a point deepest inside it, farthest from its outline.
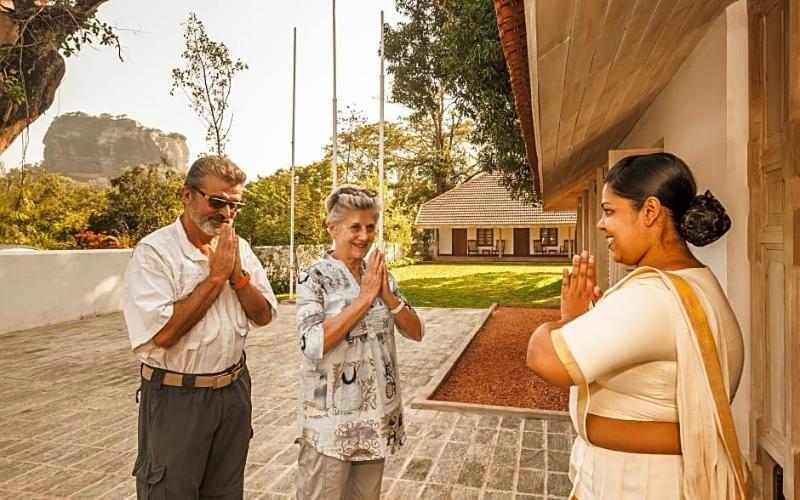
(193, 289)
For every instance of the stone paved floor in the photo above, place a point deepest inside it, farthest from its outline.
(68, 419)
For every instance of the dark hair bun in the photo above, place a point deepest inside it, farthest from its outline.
(705, 221)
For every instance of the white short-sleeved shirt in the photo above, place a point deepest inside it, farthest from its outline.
(166, 267)
(625, 347)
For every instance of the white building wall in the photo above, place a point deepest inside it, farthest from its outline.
(702, 117)
(43, 288)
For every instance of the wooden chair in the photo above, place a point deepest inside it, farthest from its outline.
(472, 247)
(537, 247)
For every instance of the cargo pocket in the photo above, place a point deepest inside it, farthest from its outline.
(150, 484)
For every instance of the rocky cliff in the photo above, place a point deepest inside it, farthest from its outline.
(86, 147)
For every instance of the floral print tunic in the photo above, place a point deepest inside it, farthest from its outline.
(350, 406)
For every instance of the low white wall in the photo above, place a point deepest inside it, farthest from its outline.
(42, 288)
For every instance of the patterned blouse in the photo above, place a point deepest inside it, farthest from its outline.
(350, 406)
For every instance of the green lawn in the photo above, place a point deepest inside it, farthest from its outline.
(478, 285)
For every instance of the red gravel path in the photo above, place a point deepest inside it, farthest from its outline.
(492, 371)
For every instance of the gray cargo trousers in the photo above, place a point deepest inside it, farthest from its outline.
(193, 442)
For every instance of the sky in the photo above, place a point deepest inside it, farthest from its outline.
(258, 32)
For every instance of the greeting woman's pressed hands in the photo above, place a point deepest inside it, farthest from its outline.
(578, 288)
(406, 319)
(578, 292)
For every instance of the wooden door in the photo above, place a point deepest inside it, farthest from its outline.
(459, 242)
(522, 241)
(774, 246)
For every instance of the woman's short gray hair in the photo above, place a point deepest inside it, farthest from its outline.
(348, 197)
(218, 166)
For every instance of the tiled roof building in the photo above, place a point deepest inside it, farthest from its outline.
(483, 200)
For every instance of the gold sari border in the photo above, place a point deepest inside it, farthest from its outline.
(565, 355)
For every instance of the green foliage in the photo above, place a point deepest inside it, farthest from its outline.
(442, 156)
(266, 218)
(479, 285)
(141, 200)
(448, 66)
(11, 86)
(93, 32)
(206, 79)
(43, 209)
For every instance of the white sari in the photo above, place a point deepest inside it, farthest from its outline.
(711, 464)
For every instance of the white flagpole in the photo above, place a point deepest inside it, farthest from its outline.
(335, 173)
(291, 209)
(380, 150)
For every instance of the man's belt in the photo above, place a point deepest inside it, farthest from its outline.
(218, 381)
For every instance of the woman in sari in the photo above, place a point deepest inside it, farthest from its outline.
(653, 365)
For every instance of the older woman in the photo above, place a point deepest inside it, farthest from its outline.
(350, 414)
(654, 365)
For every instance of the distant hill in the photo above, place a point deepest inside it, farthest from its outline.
(87, 147)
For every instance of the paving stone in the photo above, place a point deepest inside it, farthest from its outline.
(468, 420)
(558, 484)
(465, 493)
(446, 471)
(491, 421)
(429, 449)
(436, 492)
(102, 488)
(497, 495)
(285, 484)
(559, 442)
(534, 439)
(501, 478)
(534, 425)
(454, 451)
(417, 469)
(557, 461)
(532, 459)
(507, 437)
(511, 422)
(472, 474)
(462, 434)
(559, 426)
(52, 447)
(485, 436)
(531, 481)
(505, 456)
(404, 490)
(394, 466)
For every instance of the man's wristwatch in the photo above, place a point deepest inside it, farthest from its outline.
(242, 282)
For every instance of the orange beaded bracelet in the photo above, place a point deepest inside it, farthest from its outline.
(242, 282)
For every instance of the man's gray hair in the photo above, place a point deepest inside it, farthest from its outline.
(348, 197)
(218, 166)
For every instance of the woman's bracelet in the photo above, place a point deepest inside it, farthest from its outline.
(398, 308)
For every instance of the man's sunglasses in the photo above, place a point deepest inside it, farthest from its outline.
(218, 203)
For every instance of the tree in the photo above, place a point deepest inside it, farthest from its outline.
(447, 63)
(43, 209)
(415, 52)
(477, 67)
(206, 79)
(141, 200)
(34, 35)
(265, 219)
